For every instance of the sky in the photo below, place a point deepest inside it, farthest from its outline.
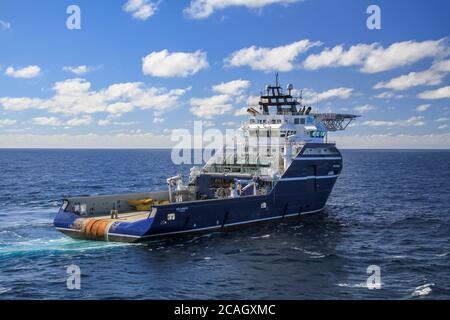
(132, 71)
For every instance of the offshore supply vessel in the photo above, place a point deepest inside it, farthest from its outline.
(280, 165)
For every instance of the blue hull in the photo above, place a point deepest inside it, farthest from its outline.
(303, 189)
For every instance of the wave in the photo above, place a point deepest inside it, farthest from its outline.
(261, 237)
(442, 254)
(58, 245)
(312, 254)
(4, 290)
(24, 225)
(352, 285)
(423, 290)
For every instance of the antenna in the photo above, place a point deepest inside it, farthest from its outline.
(276, 78)
(317, 103)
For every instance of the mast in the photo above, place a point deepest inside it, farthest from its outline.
(275, 97)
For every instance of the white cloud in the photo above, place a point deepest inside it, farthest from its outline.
(253, 101)
(440, 93)
(229, 124)
(388, 95)
(211, 106)
(26, 73)
(270, 59)
(119, 108)
(199, 9)
(149, 140)
(109, 121)
(174, 64)
(80, 70)
(338, 57)
(81, 121)
(4, 25)
(375, 58)
(74, 96)
(394, 141)
(423, 107)
(158, 120)
(432, 76)
(19, 104)
(141, 9)
(232, 88)
(442, 127)
(74, 122)
(241, 112)
(208, 124)
(7, 122)
(47, 121)
(403, 54)
(310, 96)
(363, 109)
(342, 93)
(104, 122)
(413, 121)
(442, 119)
(90, 140)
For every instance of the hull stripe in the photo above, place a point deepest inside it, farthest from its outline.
(318, 158)
(309, 178)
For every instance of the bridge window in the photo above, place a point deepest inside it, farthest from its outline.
(171, 216)
(321, 151)
(317, 134)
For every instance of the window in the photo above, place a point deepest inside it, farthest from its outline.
(321, 151)
(170, 216)
(302, 120)
(317, 134)
(296, 121)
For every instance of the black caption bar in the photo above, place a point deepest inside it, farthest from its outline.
(228, 309)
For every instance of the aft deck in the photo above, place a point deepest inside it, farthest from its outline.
(124, 216)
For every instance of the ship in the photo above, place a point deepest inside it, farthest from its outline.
(283, 166)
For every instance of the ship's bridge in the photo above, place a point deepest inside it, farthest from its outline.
(277, 129)
(280, 115)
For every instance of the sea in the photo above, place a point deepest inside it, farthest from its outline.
(385, 234)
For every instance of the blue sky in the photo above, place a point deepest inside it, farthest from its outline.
(137, 69)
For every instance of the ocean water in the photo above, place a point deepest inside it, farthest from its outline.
(390, 209)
